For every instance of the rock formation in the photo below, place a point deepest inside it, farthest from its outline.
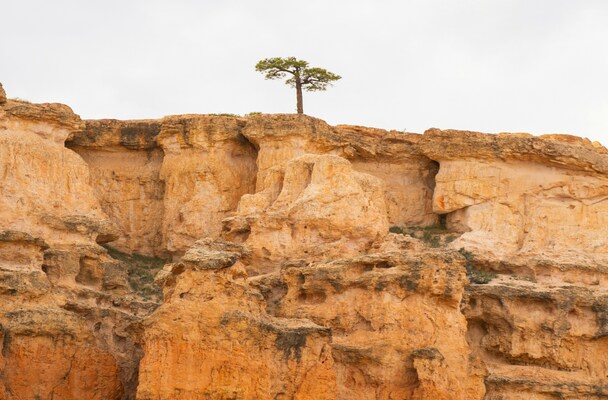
(169, 182)
(212, 330)
(316, 207)
(278, 257)
(65, 303)
(2, 95)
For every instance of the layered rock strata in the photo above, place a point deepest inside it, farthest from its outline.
(65, 303)
(150, 174)
(397, 328)
(169, 182)
(282, 280)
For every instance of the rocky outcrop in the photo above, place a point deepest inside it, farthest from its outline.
(59, 339)
(124, 162)
(520, 198)
(167, 183)
(555, 351)
(397, 328)
(214, 328)
(302, 260)
(208, 166)
(45, 187)
(317, 207)
(2, 95)
(65, 303)
(150, 174)
(211, 338)
(531, 215)
(389, 155)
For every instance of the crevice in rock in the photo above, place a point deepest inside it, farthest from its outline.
(6, 341)
(90, 273)
(434, 167)
(255, 148)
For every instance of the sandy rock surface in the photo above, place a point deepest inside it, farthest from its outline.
(278, 257)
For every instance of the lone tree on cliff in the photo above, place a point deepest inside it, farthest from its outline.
(302, 76)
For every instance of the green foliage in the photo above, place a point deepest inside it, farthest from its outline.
(434, 235)
(311, 78)
(434, 228)
(396, 229)
(298, 75)
(314, 79)
(253, 113)
(141, 271)
(278, 68)
(431, 239)
(475, 275)
(450, 238)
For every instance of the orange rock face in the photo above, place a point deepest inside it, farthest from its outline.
(211, 332)
(65, 303)
(167, 183)
(297, 260)
(397, 328)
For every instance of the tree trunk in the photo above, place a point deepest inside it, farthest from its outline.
(299, 101)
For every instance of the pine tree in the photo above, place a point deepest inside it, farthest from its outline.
(300, 75)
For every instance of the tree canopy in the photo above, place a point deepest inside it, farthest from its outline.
(299, 75)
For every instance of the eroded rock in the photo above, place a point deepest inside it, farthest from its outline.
(310, 296)
(317, 208)
(2, 95)
(212, 338)
(397, 328)
(64, 302)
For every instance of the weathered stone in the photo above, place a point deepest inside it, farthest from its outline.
(323, 209)
(384, 310)
(62, 298)
(212, 333)
(2, 95)
(336, 306)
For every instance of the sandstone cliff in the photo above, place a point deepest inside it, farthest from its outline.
(297, 260)
(65, 302)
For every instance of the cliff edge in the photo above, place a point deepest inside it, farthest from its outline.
(279, 257)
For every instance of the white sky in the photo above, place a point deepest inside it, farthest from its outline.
(538, 66)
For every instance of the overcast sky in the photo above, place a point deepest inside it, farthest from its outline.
(538, 66)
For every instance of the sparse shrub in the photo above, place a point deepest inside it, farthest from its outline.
(396, 229)
(434, 228)
(253, 113)
(481, 277)
(141, 271)
(431, 239)
(433, 235)
(475, 275)
(225, 115)
(523, 278)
